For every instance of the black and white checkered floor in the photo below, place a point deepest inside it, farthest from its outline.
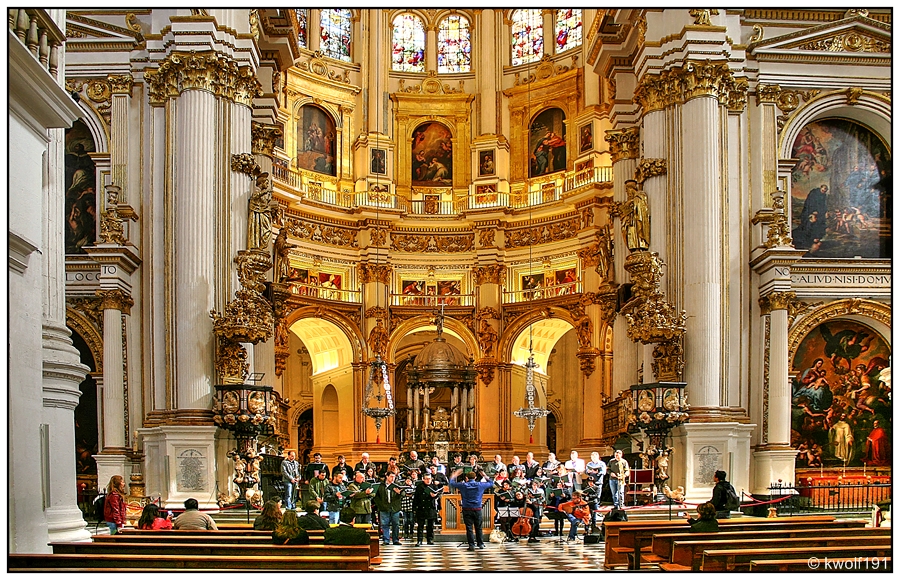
(546, 555)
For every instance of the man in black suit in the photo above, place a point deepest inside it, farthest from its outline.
(425, 506)
(387, 500)
(344, 534)
(312, 520)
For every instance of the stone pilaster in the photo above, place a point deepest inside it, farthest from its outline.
(118, 148)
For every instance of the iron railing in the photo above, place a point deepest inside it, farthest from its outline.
(828, 497)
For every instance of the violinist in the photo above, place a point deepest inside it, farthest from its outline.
(536, 499)
(507, 498)
(576, 512)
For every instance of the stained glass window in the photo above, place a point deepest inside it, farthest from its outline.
(302, 23)
(408, 42)
(335, 24)
(527, 36)
(454, 49)
(568, 28)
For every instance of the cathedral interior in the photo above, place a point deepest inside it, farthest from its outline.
(488, 231)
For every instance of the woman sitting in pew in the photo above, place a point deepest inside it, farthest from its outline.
(289, 531)
(707, 521)
(150, 519)
(270, 516)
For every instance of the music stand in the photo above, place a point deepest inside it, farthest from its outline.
(558, 516)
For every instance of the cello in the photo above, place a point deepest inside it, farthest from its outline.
(522, 527)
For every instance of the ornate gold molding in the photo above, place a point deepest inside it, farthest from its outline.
(694, 79)
(488, 312)
(115, 299)
(651, 318)
(431, 85)
(648, 168)
(624, 144)
(493, 274)
(798, 308)
(244, 163)
(374, 273)
(432, 243)
(847, 307)
(486, 238)
(208, 71)
(231, 361)
(589, 255)
(315, 232)
(776, 301)
(249, 317)
(701, 16)
(767, 353)
(553, 232)
(786, 100)
(120, 84)
(608, 299)
(98, 91)
(587, 359)
(263, 138)
(668, 360)
(318, 66)
(545, 69)
(112, 230)
(849, 42)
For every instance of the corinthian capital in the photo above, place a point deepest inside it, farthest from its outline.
(777, 301)
(624, 144)
(264, 137)
(494, 274)
(375, 273)
(115, 299)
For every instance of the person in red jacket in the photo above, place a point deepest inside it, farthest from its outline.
(114, 507)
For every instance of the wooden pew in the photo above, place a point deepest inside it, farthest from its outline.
(661, 548)
(217, 549)
(688, 554)
(33, 562)
(839, 565)
(738, 559)
(614, 530)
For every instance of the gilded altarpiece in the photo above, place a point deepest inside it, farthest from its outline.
(432, 101)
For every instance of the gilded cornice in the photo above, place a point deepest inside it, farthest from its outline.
(207, 71)
(432, 243)
(776, 301)
(694, 79)
(263, 138)
(801, 15)
(374, 273)
(545, 69)
(115, 299)
(552, 232)
(315, 232)
(624, 144)
(493, 274)
(431, 85)
(317, 65)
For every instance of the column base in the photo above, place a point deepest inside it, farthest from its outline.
(770, 465)
(180, 463)
(701, 449)
(66, 524)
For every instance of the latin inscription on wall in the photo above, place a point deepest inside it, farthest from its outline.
(191, 474)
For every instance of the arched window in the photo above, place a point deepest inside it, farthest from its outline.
(302, 26)
(568, 29)
(454, 48)
(335, 25)
(527, 36)
(408, 44)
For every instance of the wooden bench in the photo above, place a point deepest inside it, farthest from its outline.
(167, 561)
(615, 557)
(689, 553)
(839, 565)
(661, 548)
(217, 549)
(738, 559)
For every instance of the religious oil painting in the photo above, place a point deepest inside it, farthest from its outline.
(532, 285)
(547, 143)
(486, 163)
(841, 192)
(432, 155)
(485, 194)
(316, 136)
(81, 189)
(586, 134)
(566, 280)
(447, 289)
(840, 407)
(329, 285)
(379, 161)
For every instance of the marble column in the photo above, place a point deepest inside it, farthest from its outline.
(119, 126)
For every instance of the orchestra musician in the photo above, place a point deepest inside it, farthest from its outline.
(576, 512)
(508, 498)
(536, 499)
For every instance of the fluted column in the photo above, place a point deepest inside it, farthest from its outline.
(486, 81)
(195, 208)
(118, 146)
(114, 303)
(703, 243)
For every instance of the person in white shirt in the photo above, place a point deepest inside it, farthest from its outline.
(575, 467)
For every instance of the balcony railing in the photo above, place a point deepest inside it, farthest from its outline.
(549, 291)
(39, 33)
(432, 301)
(325, 293)
(538, 194)
(829, 497)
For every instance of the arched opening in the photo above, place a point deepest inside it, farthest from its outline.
(305, 436)
(551, 433)
(87, 432)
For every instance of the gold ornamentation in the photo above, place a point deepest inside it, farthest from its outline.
(798, 308)
(253, 16)
(624, 144)
(115, 299)
(318, 66)
(786, 100)
(589, 255)
(378, 339)
(648, 168)
(282, 346)
(776, 301)
(853, 95)
(488, 312)
(587, 360)
(89, 306)
(112, 230)
(694, 79)
(487, 338)
(608, 299)
(431, 85)
(839, 308)
(701, 16)
(767, 350)
(132, 22)
(120, 84)
(249, 317)
(850, 42)
(244, 163)
(553, 232)
(493, 274)
(374, 273)
(376, 312)
(377, 237)
(651, 318)
(98, 90)
(779, 231)
(486, 238)
(335, 236)
(208, 71)
(485, 369)
(432, 243)
(231, 364)
(263, 138)
(634, 215)
(545, 69)
(758, 33)
(263, 210)
(584, 330)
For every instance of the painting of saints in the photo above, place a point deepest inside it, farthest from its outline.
(432, 155)
(547, 143)
(81, 192)
(316, 134)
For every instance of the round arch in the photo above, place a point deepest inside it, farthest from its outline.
(334, 333)
(874, 314)
(79, 323)
(96, 124)
(425, 321)
(297, 411)
(512, 333)
(327, 108)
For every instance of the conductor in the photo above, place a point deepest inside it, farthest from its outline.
(471, 492)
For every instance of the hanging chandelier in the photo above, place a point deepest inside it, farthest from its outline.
(530, 413)
(378, 402)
